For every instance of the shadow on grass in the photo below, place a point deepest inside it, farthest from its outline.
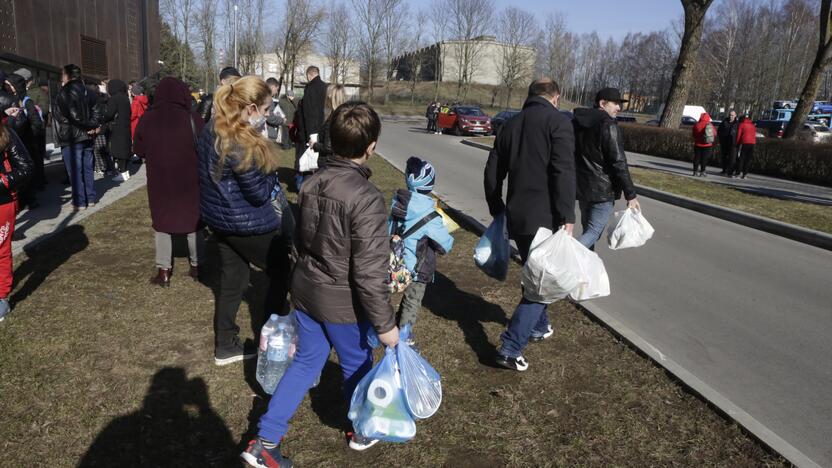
(44, 258)
(176, 426)
(469, 311)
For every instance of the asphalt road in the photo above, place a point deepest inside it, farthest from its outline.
(746, 312)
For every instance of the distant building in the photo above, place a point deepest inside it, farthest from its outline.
(107, 39)
(442, 61)
(268, 66)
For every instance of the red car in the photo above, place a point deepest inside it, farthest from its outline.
(461, 120)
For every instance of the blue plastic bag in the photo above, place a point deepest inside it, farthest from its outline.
(493, 250)
(377, 408)
(421, 383)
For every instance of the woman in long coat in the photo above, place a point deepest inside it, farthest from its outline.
(118, 112)
(166, 139)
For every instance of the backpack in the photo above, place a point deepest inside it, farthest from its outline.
(37, 107)
(400, 277)
(709, 134)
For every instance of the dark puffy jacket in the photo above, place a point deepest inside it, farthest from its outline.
(341, 275)
(536, 151)
(75, 113)
(231, 202)
(601, 164)
(15, 168)
(205, 107)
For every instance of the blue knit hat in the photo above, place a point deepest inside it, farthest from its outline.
(420, 175)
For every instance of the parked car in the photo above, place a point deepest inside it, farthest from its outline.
(626, 119)
(688, 122)
(786, 104)
(502, 117)
(822, 107)
(815, 132)
(464, 120)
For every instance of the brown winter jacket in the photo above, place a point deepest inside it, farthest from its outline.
(341, 275)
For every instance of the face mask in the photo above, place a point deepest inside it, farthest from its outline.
(257, 122)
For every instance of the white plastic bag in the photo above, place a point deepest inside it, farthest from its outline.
(308, 161)
(630, 230)
(493, 250)
(559, 265)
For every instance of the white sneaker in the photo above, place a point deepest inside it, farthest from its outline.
(360, 443)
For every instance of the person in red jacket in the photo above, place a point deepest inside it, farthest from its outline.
(704, 135)
(137, 107)
(746, 139)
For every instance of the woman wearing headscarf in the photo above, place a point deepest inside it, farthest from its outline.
(166, 139)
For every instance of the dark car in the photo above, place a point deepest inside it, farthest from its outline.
(502, 117)
(626, 119)
(686, 122)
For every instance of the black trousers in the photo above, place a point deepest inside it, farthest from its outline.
(728, 151)
(431, 125)
(269, 253)
(746, 157)
(700, 158)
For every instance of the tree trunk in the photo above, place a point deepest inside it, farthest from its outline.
(691, 40)
(822, 59)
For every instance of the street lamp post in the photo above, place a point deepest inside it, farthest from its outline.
(235, 35)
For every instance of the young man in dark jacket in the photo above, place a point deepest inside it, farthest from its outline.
(311, 116)
(340, 282)
(76, 120)
(206, 104)
(601, 164)
(728, 142)
(536, 151)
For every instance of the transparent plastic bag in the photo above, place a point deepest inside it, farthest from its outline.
(421, 383)
(493, 250)
(553, 268)
(377, 408)
(631, 229)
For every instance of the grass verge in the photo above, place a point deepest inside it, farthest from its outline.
(809, 215)
(114, 372)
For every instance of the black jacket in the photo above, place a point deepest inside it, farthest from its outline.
(118, 112)
(20, 168)
(75, 113)
(727, 131)
(312, 108)
(600, 161)
(324, 145)
(205, 107)
(28, 125)
(536, 150)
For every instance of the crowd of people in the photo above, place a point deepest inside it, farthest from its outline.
(736, 140)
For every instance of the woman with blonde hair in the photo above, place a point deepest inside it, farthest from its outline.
(237, 176)
(335, 96)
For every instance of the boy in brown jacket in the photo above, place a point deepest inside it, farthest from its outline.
(339, 286)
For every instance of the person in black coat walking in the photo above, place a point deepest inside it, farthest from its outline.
(118, 112)
(536, 151)
(311, 115)
(727, 133)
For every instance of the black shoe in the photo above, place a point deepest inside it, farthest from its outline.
(233, 352)
(538, 338)
(259, 456)
(518, 363)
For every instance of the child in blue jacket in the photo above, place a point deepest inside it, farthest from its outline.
(410, 207)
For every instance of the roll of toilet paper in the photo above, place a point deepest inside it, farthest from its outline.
(380, 393)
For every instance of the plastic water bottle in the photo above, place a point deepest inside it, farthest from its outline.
(265, 333)
(277, 357)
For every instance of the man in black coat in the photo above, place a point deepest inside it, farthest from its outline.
(536, 151)
(601, 164)
(118, 112)
(728, 141)
(76, 120)
(206, 104)
(310, 117)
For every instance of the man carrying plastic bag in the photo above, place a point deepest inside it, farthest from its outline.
(630, 230)
(535, 150)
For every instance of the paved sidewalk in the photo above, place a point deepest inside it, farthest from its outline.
(754, 184)
(54, 212)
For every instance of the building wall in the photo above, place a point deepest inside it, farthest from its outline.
(46, 34)
(269, 67)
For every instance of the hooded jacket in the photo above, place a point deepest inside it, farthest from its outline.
(536, 151)
(601, 164)
(119, 113)
(747, 133)
(28, 124)
(341, 275)
(699, 130)
(421, 247)
(137, 110)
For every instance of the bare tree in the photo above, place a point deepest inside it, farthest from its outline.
(301, 21)
(335, 41)
(515, 65)
(439, 30)
(470, 21)
(393, 14)
(823, 58)
(368, 19)
(206, 25)
(415, 44)
(691, 39)
(178, 14)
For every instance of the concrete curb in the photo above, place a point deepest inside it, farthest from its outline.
(685, 378)
(778, 228)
